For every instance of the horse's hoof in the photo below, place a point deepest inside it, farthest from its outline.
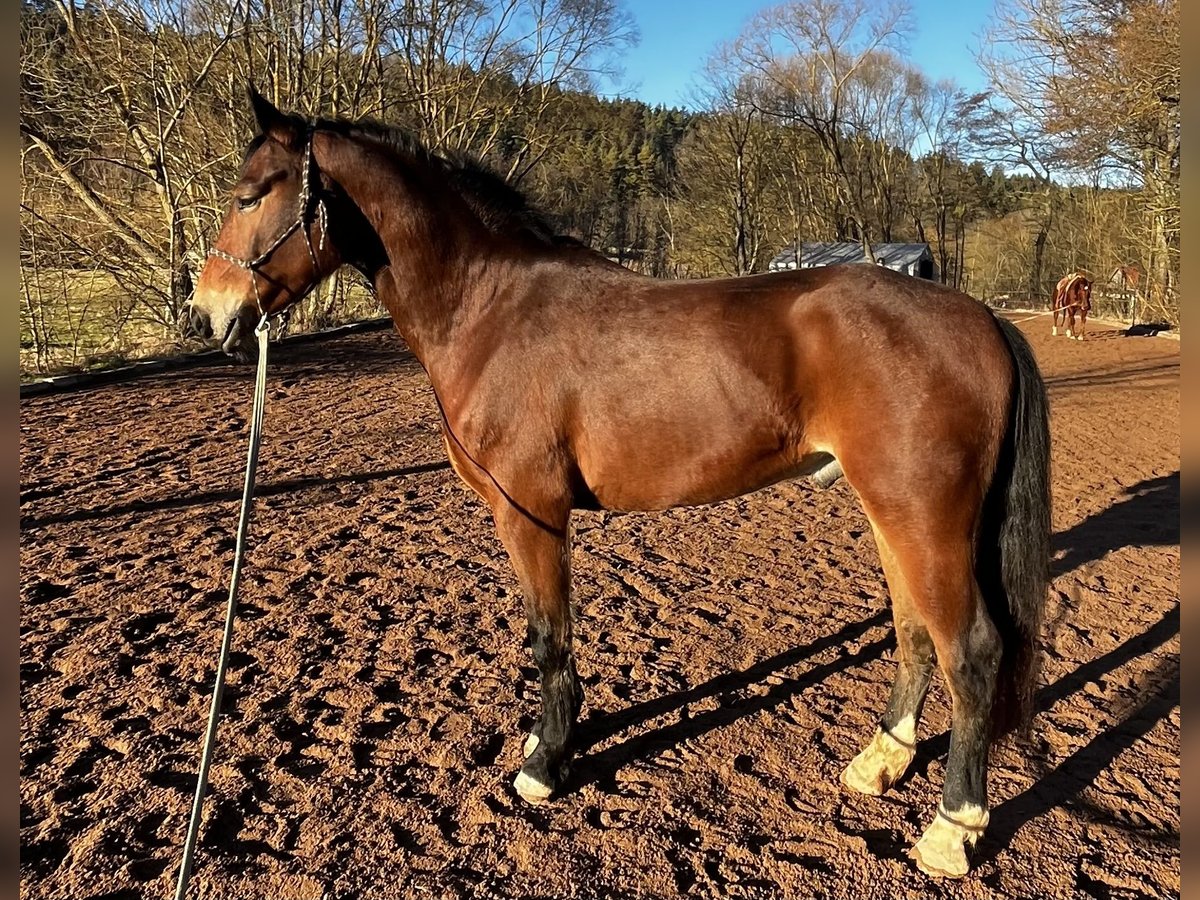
(941, 851)
(941, 864)
(531, 744)
(530, 789)
(880, 765)
(1055, 331)
(940, 858)
(861, 778)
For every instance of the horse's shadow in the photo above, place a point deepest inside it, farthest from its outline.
(1142, 375)
(1056, 786)
(1148, 516)
(1089, 672)
(602, 767)
(1063, 784)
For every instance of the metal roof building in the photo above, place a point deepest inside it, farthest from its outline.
(911, 259)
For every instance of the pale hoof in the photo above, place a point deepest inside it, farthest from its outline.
(879, 766)
(941, 851)
(531, 744)
(1055, 331)
(531, 790)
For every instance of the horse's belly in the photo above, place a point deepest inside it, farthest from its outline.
(705, 427)
(641, 476)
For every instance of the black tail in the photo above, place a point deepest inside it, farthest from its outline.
(1014, 558)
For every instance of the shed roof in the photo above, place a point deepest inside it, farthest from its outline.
(816, 253)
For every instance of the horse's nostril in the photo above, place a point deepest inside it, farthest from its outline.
(199, 324)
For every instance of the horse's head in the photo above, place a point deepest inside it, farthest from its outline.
(272, 248)
(1082, 292)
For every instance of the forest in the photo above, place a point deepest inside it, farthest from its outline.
(811, 124)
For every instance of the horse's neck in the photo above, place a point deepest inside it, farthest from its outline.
(431, 245)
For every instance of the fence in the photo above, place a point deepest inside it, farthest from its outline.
(1107, 302)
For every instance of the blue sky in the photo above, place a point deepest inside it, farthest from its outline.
(677, 36)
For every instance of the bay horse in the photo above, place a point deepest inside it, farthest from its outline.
(565, 381)
(1072, 294)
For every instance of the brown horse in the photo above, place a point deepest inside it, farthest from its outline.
(568, 382)
(1072, 294)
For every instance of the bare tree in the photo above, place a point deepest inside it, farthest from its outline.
(472, 70)
(726, 159)
(947, 199)
(883, 116)
(133, 118)
(808, 58)
(1089, 90)
(142, 77)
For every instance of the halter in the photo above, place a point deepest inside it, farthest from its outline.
(301, 223)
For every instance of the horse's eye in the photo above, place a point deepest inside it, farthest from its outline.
(248, 203)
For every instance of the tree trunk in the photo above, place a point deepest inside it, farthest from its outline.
(1039, 246)
(868, 251)
(181, 271)
(960, 253)
(740, 249)
(1039, 252)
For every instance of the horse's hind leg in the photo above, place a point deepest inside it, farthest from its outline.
(969, 657)
(928, 551)
(885, 759)
(541, 557)
(939, 571)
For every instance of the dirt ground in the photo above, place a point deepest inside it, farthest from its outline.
(735, 657)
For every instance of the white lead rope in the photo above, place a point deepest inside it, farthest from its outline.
(1036, 315)
(260, 398)
(1045, 312)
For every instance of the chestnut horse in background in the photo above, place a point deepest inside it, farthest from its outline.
(565, 381)
(1072, 294)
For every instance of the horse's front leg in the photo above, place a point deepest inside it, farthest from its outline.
(540, 552)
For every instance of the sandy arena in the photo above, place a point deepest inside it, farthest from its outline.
(735, 658)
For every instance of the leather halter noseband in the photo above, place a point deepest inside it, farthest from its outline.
(301, 223)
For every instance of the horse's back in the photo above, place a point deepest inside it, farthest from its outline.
(690, 390)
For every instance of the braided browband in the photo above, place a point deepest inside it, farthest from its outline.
(301, 223)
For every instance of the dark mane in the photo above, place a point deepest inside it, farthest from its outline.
(501, 207)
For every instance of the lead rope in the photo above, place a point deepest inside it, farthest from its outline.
(1045, 312)
(260, 398)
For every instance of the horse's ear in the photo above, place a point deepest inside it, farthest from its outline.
(287, 130)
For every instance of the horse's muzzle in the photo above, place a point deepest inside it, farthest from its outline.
(239, 341)
(235, 335)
